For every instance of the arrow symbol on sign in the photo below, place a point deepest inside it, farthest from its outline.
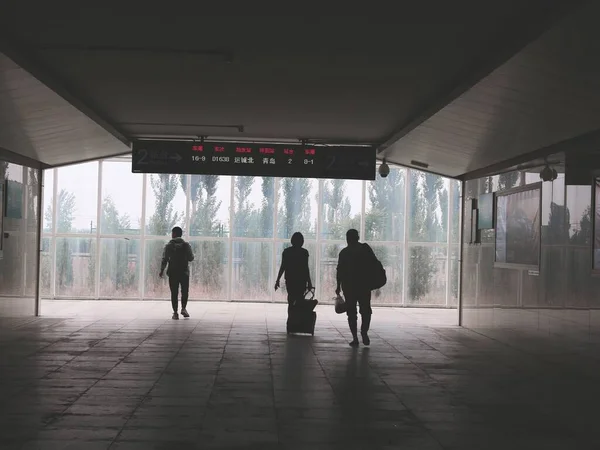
(176, 157)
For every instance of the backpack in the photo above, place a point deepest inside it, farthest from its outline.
(178, 262)
(376, 275)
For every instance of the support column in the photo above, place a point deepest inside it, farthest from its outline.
(460, 253)
(38, 245)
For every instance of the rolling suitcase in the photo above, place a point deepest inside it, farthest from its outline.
(302, 318)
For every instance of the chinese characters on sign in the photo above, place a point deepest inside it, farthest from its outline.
(253, 159)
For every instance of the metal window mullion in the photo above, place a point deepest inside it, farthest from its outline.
(230, 237)
(363, 209)
(142, 262)
(38, 241)
(460, 251)
(448, 241)
(317, 276)
(53, 231)
(98, 215)
(108, 235)
(405, 254)
(274, 234)
(188, 219)
(187, 225)
(23, 230)
(427, 244)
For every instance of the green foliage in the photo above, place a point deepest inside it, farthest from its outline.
(559, 224)
(508, 180)
(165, 217)
(384, 221)
(207, 270)
(267, 206)
(163, 220)
(114, 263)
(65, 216)
(425, 227)
(252, 261)
(583, 235)
(244, 209)
(294, 215)
(336, 210)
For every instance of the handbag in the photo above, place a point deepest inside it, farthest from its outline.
(376, 275)
(340, 305)
(307, 304)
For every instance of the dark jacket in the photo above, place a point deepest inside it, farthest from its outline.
(177, 255)
(352, 263)
(294, 262)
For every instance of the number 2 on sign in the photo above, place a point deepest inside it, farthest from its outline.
(289, 160)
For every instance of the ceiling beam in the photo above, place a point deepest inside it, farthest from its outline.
(15, 158)
(579, 143)
(495, 54)
(25, 58)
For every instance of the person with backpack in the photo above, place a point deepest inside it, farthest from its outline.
(358, 271)
(177, 255)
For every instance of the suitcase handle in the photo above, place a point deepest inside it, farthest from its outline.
(311, 292)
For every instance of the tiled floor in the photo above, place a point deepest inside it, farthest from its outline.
(122, 375)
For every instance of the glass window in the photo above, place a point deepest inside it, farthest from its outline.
(48, 199)
(77, 198)
(46, 267)
(454, 276)
(209, 202)
(341, 208)
(254, 202)
(165, 203)
(597, 225)
(75, 267)
(427, 275)
(518, 227)
(31, 272)
(281, 294)
(391, 256)
(155, 287)
(119, 267)
(121, 211)
(328, 272)
(297, 207)
(455, 209)
(429, 207)
(384, 219)
(208, 271)
(252, 268)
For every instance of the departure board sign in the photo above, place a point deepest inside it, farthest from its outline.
(227, 158)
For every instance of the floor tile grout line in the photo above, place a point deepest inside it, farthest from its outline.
(219, 365)
(52, 419)
(158, 379)
(395, 394)
(102, 377)
(276, 412)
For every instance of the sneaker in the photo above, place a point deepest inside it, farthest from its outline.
(175, 316)
(354, 343)
(365, 338)
(184, 312)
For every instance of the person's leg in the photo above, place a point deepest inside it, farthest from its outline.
(351, 312)
(174, 286)
(365, 312)
(185, 289)
(295, 293)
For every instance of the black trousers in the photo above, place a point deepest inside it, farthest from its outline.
(296, 291)
(176, 280)
(362, 298)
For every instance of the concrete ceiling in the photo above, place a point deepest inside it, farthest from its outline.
(541, 98)
(380, 79)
